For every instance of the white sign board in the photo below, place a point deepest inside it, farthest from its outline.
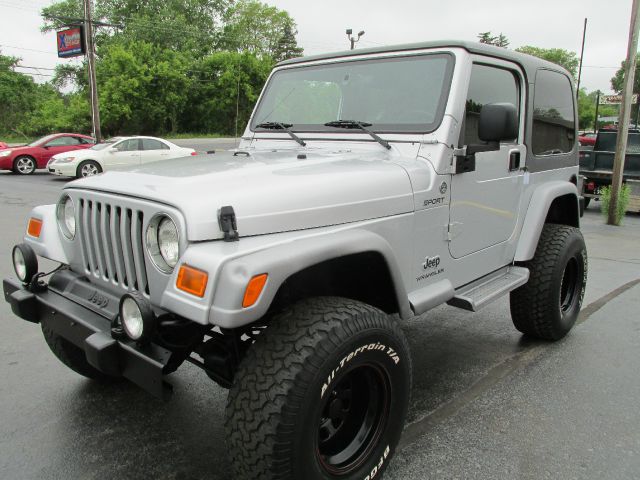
(616, 99)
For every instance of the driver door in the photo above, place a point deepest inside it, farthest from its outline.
(485, 202)
(125, 154)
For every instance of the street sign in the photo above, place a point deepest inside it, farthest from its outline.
(70, 42)
(616, 99)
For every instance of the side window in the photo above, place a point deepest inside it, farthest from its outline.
(128, 145)
(63, 142)
(553, 114)
(83, 141)
(151, 144)
(487, 85)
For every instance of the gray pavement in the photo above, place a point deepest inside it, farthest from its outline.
(486, 403)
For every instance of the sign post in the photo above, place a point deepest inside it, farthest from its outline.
(93, 87)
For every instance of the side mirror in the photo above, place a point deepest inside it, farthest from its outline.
(498, 121)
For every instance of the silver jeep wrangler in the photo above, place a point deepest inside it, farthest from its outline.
(369, 187)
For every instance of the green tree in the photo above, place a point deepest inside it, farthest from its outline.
(258, 28)
(617, 82)
(564, 58)
(142, 88)
(287, 46)
(221, 82)
(18, 96)
(489, 39)
(191, 25)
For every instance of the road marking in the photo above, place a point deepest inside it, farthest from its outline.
(414, 431)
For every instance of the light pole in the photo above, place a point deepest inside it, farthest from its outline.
(352, 39)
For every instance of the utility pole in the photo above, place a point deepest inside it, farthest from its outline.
(625, 109)
(595, 123)
(93, 88)
(584, 34)
(352, 39)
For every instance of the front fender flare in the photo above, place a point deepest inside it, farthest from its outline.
(284, 260)
(537, 211)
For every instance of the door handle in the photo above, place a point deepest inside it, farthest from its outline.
(514, 160)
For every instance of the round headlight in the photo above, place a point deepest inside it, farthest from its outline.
(25, 262)
(137, 317)
(66, 213)
(163, 243)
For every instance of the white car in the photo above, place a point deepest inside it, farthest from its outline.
(116, 153)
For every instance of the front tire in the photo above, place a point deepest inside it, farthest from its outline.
(24, 165)
(88, 168)
(548, 305)
(322, 394)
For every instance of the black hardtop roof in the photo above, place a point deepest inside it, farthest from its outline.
(528, 62)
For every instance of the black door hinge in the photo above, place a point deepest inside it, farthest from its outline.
(228, 225)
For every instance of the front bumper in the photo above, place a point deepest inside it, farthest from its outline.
(63, 169)
(69, 307)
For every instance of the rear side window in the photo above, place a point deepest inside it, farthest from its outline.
(487, 85)
(151, 144)
(553, 114)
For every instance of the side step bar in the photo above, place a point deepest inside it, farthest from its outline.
(485, 290)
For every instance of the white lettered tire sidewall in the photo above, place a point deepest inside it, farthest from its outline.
(373, 348)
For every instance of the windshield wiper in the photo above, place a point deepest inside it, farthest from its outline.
(282, 126)
(361, 126)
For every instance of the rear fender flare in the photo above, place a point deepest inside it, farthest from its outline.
(536, 215)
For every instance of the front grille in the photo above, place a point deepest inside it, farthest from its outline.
(111, 239)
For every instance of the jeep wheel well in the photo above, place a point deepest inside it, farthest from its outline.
(361, 276)
(564, 211)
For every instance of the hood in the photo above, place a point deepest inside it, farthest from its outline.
(77, 154)
(271, 191)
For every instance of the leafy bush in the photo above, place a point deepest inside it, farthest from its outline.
(621, 207)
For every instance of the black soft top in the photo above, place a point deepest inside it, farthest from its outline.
(528, 63)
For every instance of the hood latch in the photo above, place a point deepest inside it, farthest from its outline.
(228, 225)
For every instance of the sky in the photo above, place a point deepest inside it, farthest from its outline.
(322, 24)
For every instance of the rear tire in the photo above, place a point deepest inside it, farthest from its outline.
(72, 356)
(548, 305)
(88, 168)
(24, 165)
(322, 394)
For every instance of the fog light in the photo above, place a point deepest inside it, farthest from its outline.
(137, 317)
(25, 262)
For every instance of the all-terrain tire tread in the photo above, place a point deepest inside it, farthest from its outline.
(530, 309)
(258, 422)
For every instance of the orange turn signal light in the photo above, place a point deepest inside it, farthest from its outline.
(192, 280)
(35, 227)
(254, 289)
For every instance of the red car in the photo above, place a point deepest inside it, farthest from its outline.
(25, 160)
(587, 139)
(3, 145)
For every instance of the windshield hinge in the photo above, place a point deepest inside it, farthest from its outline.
(228, 225)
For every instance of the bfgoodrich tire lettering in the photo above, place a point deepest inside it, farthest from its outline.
(548, 305)
(322, 394)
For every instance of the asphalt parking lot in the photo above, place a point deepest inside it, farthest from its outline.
(486, 402)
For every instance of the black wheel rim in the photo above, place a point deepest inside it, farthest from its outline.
(353, 416)
(569, 284)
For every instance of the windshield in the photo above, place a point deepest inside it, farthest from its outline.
(107, 143)
(400, 94)
(41, 141)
